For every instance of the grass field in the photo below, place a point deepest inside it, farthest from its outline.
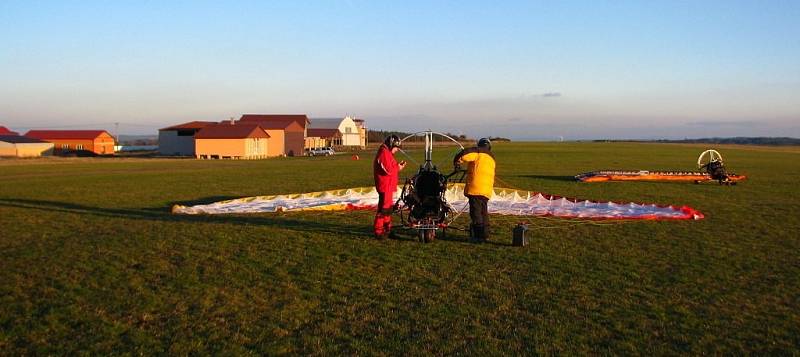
(91, 261)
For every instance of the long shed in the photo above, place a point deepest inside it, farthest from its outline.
(178, 140)
(20, 146)
(99, 142)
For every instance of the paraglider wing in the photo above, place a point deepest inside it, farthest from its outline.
(504, 201)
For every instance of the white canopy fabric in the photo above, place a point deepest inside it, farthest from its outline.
(505, 202)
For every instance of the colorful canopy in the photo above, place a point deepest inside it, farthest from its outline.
(621, 175)
(505, 201)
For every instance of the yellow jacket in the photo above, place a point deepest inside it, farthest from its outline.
(480, 172)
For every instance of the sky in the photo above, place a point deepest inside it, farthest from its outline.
(535, 70)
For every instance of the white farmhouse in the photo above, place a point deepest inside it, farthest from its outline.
(347, 126)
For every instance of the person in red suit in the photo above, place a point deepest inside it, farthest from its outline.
(386, 171)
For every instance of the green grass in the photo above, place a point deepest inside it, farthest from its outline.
(91, 261)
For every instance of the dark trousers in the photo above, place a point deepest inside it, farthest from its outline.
(479, 210)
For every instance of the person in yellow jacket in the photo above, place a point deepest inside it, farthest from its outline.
(479, 187)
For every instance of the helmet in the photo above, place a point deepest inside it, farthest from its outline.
(392, 141)
(485, 142)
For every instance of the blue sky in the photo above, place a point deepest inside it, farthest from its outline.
(526, 70)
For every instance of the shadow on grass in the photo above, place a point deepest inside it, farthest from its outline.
(272, 220)
(163, 214)
(572, 179)
(453, 235)
(201, 201)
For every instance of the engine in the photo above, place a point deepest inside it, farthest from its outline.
(424, 196)
(716, 169)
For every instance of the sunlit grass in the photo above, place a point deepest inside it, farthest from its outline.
(92, 261)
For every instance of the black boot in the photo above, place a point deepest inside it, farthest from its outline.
(389, 232)
(477, 234)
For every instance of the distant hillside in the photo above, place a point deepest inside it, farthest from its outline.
(138, 140)
(740, 140)
(782, 141)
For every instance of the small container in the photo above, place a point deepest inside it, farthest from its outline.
(520, 240)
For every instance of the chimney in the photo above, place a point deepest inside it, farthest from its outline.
(233, 122)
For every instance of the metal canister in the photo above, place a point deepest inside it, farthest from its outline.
(520, 240)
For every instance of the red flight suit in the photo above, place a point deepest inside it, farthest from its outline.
(386, 171)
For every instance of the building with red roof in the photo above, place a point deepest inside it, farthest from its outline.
(99, 142)
(178, 140)
(232, 140)
(5, 131)
(283, 119)
(290, 127)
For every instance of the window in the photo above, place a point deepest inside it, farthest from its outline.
(348, 130)
(64, 146)
(79, 147)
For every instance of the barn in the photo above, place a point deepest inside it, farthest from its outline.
(20, 146)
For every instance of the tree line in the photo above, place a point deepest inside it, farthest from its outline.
(741, 140)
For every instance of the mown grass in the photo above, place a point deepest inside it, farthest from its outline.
(91, 261)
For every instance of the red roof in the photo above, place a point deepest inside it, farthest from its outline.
(324, 133)
(196, 125)
(276, 121)
(66, 134)
(5, 131)
(228, 131)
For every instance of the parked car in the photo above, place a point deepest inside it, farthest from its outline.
(323, 151)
